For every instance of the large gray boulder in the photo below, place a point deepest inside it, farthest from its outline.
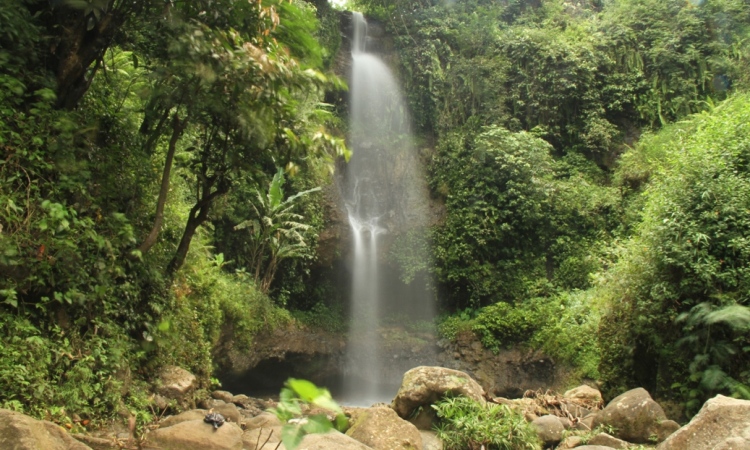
(430, 440)
(21, 432)
(585, 394)
(263, 420)
(228, 410)
(608, 441)
(549, 428)
(424, 385)
(175, 383)
(382, 429)
(195, 434)
(593, 447)
(634, 416)
(723, 423)
(269, 438)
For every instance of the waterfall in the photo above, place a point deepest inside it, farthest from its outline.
(384, 194)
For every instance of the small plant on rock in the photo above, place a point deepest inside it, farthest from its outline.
(289, 411)
(468, 424)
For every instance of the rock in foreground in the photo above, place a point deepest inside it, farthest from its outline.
(634, 416)
(21, 432)
(195, 434)
(382, 429)
(722, 423)
(424, 385)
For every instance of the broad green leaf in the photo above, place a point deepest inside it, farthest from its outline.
(291, 436)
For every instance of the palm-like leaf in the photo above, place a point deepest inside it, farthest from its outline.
(276, 231)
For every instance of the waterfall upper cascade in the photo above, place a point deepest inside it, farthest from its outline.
(385, 196)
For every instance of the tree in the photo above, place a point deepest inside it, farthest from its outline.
(275, 233)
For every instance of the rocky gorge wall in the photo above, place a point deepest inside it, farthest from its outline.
(319, 357)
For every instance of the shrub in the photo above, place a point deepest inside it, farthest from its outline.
(502, 324)
(569, 334)
(467, 424)
(328, 318)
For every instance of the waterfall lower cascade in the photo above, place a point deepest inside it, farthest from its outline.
(385, 196)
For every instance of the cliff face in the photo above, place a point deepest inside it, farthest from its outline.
(404, 182)
(319, 356)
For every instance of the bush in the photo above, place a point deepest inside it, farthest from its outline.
(569, 333)
(502, 324)
(55, 373)
(689, 260)
(328, 318)
(467, 424)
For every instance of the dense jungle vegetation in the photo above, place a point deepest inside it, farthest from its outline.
(591, 159)
(160, 163)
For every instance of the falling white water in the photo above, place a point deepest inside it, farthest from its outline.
(383, 196)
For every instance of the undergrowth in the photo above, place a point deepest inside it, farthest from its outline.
(468, 424)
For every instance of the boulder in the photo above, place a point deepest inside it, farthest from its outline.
(159, 402)
(608, 441)
(424, 385)
(175, 383)
(333, 440)
(228, 410)
(570, 442)
(193, 414)
(722, 423)
(195, 434)
(99, 443)
(549, 428)
(665, 429)
(382, 429)
(634, 416)
(263, 420)
(593, 447)
(585, 394)
(224, 396)
(430, 440)
(259, 439)
(21, 432)
(210, 403)
(585, 424)
(262, 438)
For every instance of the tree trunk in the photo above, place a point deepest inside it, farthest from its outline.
(177, 128)
(198, 215)
(77, 47)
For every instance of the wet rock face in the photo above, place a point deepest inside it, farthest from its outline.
(310, 354)
(319, 357)
(509, 373)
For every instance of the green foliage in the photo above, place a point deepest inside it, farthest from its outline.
(567, 332)
(468, 424)
(302, 392)
(501, 324)
(211, 308)
(495, 222)
(58, 372)
(227, 89)
(275, 233)
(450, 326)
(518, 222)
(323, 317)
(688, 260)
(715, 335)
